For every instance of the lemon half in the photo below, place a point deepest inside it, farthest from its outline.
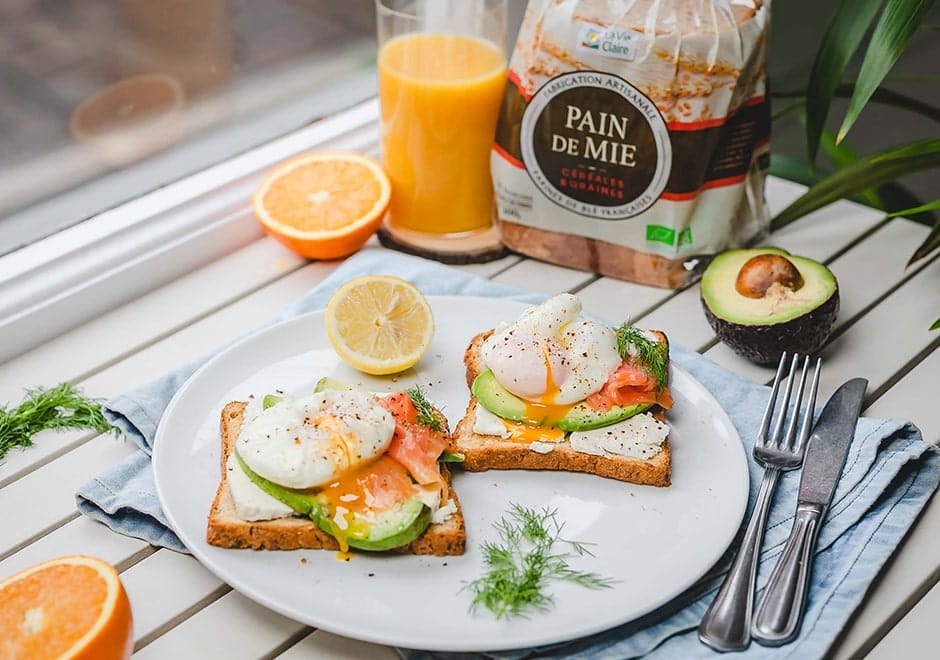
(379, 324)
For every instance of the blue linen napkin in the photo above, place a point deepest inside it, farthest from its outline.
(889, 476)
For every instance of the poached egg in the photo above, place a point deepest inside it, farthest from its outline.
(550, 356)
(314, 440)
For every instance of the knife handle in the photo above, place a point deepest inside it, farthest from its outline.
(780, 611)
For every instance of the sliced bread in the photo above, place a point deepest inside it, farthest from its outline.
(227, 530)
(490, 452)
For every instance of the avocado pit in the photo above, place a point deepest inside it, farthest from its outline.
(761, 272)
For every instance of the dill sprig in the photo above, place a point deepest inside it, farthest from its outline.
(427, 415)
(648, 354)
(520, 566)
(62, 407)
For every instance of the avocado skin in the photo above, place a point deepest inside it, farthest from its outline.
(415, 515)
(764, 344)
(503, 403)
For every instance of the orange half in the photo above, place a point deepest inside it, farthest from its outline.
(323, 205)
(70, 607)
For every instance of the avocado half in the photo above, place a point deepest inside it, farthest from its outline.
(764, 301)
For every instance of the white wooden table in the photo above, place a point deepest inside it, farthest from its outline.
(181, 610)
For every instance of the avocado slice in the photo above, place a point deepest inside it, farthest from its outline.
(327, 383)
(764, 301)
(503, 403)
(270, 400)
(389, 529)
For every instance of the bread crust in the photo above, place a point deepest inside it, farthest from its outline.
(486, 452)
(226, 530)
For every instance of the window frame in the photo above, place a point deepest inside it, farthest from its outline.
(59, 282)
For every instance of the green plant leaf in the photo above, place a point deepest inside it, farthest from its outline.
(936, 325)
(842, 39)
(929, 245)
(898, 22)
(929, 206)
(873, 170)
(793, 169)
(888, 197)
(843, 156)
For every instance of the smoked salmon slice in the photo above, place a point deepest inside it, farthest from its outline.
(628, 386)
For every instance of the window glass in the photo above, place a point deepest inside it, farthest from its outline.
(103, 100)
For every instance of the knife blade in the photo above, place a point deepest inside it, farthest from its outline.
(780, 611)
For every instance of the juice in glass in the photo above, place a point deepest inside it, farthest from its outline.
(440, 97)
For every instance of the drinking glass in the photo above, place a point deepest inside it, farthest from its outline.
(442, 71)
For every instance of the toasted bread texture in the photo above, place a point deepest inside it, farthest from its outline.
(225, 529)
(488, 452)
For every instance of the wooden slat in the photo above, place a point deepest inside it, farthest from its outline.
(45, 498)
(231, 627)
(192, 341)
(143, 321)
(81, 536)
(915, 636)
(615, 302)
(163, 585)
(545, 278)
(913, 570)
(327, 646)
(490, 268)
(918, 395)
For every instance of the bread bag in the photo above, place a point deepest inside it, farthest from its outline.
(633, 138)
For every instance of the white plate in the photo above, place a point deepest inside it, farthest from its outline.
(655, 542)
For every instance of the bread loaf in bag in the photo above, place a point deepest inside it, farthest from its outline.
(634, 135)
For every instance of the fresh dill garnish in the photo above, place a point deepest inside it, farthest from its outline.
(520, 566)
(427, 415)
(648, 354)
(62, 407)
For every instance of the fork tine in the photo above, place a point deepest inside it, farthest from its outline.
(810, 408)
(795, 417)
(769, 409)
(781, 417)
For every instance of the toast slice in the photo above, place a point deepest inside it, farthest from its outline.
(489, 452)
(227, 530)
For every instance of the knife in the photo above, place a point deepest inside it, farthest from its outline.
(780, 611)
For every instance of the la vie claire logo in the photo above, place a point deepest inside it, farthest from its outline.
(612, 42)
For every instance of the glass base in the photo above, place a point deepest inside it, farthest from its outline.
(455, 249)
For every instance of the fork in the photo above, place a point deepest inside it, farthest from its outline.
(726, 625)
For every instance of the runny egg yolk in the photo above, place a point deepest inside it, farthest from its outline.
(545, 409)
(526, 434)
(351, 500)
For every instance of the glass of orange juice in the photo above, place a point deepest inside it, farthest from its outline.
(442, 71)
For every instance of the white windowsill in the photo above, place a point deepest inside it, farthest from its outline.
(66, 279)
